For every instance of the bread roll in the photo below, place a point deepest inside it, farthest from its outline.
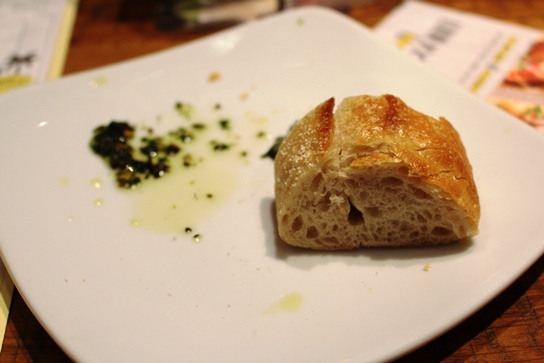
(374, 173)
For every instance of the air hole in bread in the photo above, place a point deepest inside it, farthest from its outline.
(285, 219)
(325, 202)
(297, 224)
(441, 231)
(350, 184)
(312, 232)
(420, 194)
(403, 170)
(421, 219)
(391, 181)
(355, 216)
(316, 182)
(333, 240)
(373, 212)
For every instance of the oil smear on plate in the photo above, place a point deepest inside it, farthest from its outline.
(288, 303)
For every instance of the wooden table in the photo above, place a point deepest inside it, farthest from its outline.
(508, 329)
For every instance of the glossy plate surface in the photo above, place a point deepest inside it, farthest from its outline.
(110, 283)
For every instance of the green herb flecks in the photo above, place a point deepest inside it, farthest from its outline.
(184, 109)
(199, 126)
(271, 153)
(224, 124)
(113, 143)
(184, 135)
(219, 146)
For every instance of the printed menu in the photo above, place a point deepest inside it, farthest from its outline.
(499, 61)
(33, 40)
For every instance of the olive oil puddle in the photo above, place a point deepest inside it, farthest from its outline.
(180, 201)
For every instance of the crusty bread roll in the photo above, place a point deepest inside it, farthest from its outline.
(375, 173)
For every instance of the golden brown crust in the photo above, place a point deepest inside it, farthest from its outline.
(431, 148)
(337, 174)
(304, 146)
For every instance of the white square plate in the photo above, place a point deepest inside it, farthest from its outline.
(108, 288)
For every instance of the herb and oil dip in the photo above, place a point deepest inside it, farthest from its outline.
(178, 175)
